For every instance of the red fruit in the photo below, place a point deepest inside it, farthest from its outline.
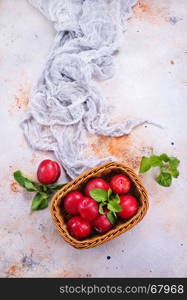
(78, 227)
(88, 208)
(101, 223)
(129, 205)
(48, 171)
(71, 202)
(96, 183)
(120, 184)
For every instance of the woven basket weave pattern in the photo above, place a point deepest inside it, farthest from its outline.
(105, 170)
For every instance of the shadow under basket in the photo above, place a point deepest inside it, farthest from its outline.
(106, 171)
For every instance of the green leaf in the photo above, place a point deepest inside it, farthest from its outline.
(109, 193)
(168, 166)
(174, 162)
(112, 217)
(116, 198)
(164, 157)
(44, 187)
(40, 201)
(114, 206)
(56, 187)
(164, 179)
(156, 161)
(145, 164)
(24, 181)
(175, 173)
(99, 195)
(101, 208)
(29, 186)
(43, 204)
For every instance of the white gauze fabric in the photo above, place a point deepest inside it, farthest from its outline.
(65, 105)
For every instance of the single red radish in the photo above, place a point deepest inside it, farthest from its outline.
(96, 183)
(78, 227)
(101, 223)
(48, 171)
(88, 208)
(71, 202)
(129, 206)
(120, 184)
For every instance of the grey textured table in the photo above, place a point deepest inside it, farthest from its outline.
(150, 82)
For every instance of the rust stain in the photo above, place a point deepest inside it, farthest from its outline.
(14, 271)
(144, 10)
(144, 7)
(126, 149)
(69, 274)
(21, 100)
(14, 187)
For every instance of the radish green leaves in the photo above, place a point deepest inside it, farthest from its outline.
(108, 199)
(43, 192)
(168, 167)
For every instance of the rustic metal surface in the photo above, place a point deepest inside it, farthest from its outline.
(151, 83)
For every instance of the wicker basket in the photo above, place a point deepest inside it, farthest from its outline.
(105, 171)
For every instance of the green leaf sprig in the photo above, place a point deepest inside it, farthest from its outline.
(43, 192)
(108, 199)
(168, 167)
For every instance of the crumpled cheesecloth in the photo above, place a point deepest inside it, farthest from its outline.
(65, 105)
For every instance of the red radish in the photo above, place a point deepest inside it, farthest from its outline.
(96, 183)
(88, 208)
(120, 184)
(78, 227)
(71, 202)
(129, 205)
(101, 223)
(48, 171)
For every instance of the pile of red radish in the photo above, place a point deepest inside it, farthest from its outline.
(86, 213)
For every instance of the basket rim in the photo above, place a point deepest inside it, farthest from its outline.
(58, 219)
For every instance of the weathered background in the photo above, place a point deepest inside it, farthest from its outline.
(151, 83)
